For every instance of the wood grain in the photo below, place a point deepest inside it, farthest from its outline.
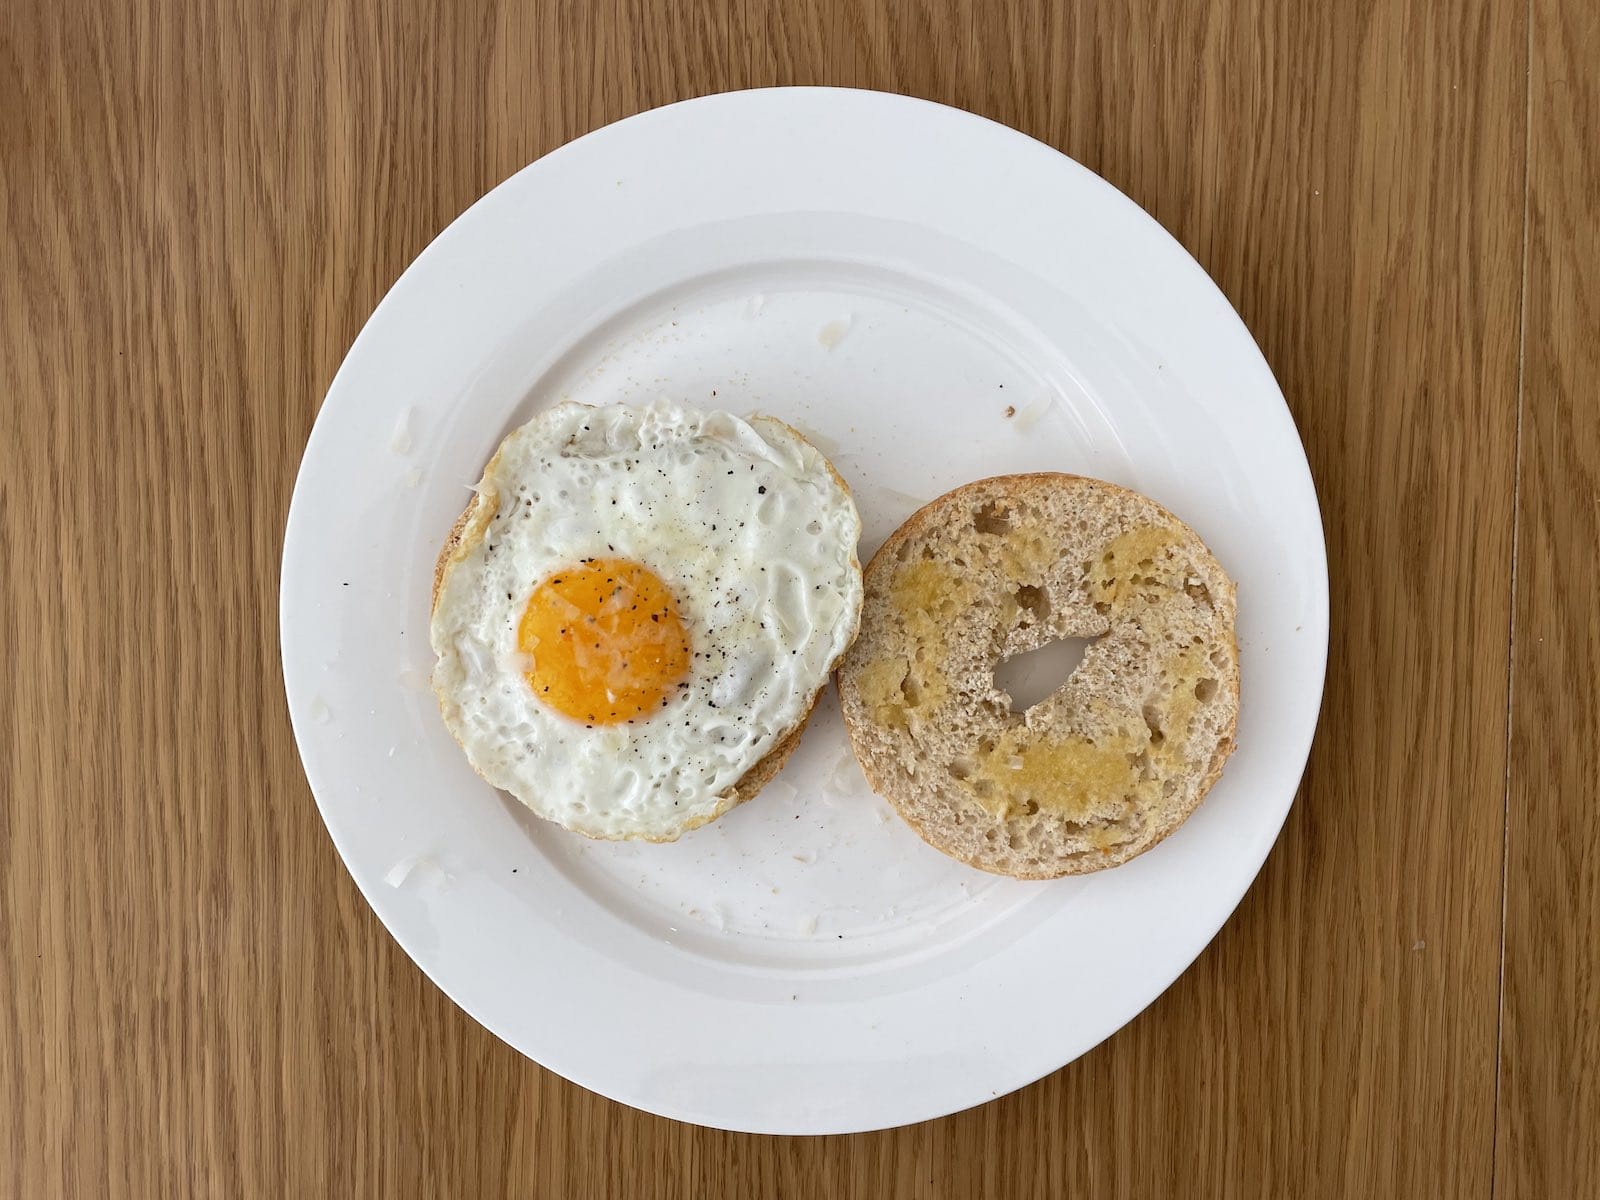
(203, 203)
(1549, 1111)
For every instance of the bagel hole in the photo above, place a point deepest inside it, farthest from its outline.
(1030, 808)
(1198, 592)
(961, 768)
(991, 518)
(1205, 690)
(1035, 675)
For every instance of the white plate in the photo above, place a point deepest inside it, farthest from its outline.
(891, 276)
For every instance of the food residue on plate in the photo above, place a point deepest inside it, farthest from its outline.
(843, 779)
(831, 334)
(1029, 417)
(418, 868)
(781, 791)
(400, 440)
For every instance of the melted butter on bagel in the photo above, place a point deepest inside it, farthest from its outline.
(1121, 752)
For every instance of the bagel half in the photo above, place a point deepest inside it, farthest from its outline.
(1121, 753)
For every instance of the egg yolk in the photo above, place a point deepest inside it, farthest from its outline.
(605, 641)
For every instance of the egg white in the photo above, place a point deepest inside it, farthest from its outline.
(756, 537)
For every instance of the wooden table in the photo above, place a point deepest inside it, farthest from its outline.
(202, 203)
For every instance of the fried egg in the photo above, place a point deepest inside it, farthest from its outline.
(638, 611)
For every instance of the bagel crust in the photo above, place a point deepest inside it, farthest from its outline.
(1122, 752)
